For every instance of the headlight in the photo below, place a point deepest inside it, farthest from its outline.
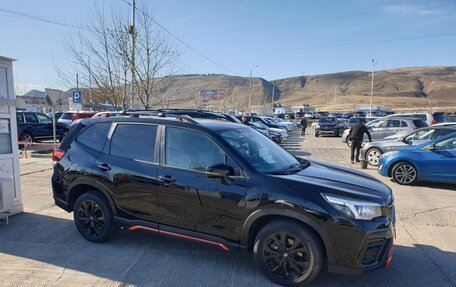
(356, 209)
(390, 153)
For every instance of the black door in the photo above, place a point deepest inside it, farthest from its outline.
(32, 124)
(129, 168)
(45, 127)
(187, 197)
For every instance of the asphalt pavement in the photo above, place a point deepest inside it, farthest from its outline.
(41, 246)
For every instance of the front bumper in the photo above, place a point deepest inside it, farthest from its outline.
(362, 246)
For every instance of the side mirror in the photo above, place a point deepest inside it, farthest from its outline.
(219, 171)
(430, 147)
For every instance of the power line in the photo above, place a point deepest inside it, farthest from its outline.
(41, 19)
(182, 41)
(347, 44)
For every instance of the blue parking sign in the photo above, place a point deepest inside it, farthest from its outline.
(77, 97)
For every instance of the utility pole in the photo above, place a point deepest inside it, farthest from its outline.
(132, 32)
(90, 85)
(250, 85)
(327, 100)
(77, 81)
(372, 87)
(272, 97)
(335, 98)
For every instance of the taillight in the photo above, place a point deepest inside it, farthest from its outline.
(57, 154)
(433, 122)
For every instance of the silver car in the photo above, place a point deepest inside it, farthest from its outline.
(372, 151)
(384, 127)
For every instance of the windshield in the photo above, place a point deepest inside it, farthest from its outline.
(260, 152)
(327, 120)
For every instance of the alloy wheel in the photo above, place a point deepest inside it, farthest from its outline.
(405, 173)
(373, 156)
(285, 255)
(91, 218)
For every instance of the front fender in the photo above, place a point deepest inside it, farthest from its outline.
(249, 223)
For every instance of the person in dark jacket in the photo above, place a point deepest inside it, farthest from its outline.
(356, 136)
(303, 126)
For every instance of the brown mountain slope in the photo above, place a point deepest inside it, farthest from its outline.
(184, 91)
(395, 88)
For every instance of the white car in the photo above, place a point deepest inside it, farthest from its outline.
(428, 117)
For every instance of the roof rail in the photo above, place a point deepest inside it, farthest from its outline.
(181, 117)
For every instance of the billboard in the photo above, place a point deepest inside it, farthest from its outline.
(210, 95)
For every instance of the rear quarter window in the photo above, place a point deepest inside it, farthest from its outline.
(66, 116)
(94, 136)
(420, 123)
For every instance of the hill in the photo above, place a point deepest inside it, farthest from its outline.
(416, 87)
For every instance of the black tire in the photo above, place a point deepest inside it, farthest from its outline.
(337, 134)
(349, 143)
(26, 136)
(293, 268)
(93, 217)
(372, 156)
(404, 173)
(317, 134)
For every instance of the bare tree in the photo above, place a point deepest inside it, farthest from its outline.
(103, 55)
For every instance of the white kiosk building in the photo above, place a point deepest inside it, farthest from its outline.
(10, 190)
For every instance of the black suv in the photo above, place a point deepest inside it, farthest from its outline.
(225, 185)
(329, 126)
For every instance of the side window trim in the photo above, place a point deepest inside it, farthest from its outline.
(107, 146)
(162, 152)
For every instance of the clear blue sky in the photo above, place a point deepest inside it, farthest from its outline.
(283, 37)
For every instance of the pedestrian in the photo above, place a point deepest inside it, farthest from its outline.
(303, 126)
(356, 136)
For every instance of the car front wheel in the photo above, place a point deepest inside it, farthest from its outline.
(93, 217)
(404, 173)
(288, 253)
(372, 156)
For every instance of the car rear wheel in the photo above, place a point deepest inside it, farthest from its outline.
(404, 173)
(317, 134)
(27, 137)
(288, 253)
(93, 217)
(372, 156)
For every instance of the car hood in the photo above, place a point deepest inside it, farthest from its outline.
(344, 181)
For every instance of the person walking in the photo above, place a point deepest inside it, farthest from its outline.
(303, 126)
(356, 136)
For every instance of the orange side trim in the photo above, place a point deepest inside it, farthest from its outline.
(136, 227)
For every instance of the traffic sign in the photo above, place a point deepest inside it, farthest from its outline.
(77, 97)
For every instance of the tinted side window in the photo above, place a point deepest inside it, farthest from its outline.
(44, 119)
(394, 124)
(95, 136)
(31, 118)
(420, 116)
(20, 118)
(191, 150)
(442, 132)
(420, 123)
(134, 141)
(66, 116)
(404, 124)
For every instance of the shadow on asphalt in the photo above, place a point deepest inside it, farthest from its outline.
(143, 258)
(434, 185)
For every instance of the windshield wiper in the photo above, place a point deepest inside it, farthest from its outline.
(292, 169)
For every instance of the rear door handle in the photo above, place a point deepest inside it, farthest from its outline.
(166, 178)
(104, 166)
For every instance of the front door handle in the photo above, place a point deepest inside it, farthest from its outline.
(166, 178)
(104, 166)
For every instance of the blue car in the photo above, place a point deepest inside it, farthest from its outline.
(432, 161)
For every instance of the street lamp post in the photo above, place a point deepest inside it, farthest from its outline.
(372, 87)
